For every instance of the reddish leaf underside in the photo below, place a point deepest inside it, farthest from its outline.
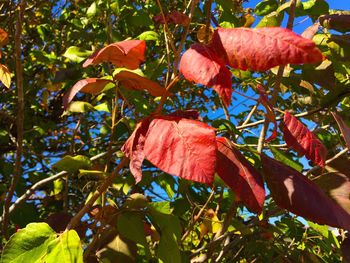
(188, 114)
(200, 65)
(302, 140)
(128, 54)
(337, 186)
(270, 114)
(182, 147)
(263, 48)
(345, 130)
(133, 149)
(240, 176)
(174, 17)
(134, 81)
(295, 192)
(90, 85)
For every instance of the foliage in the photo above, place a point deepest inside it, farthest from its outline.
(117, 149)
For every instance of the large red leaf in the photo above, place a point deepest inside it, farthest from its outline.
(201, 65)
(345, 130)
(263, 48)
(128, 54)
(240, 176)
(302, 140)
(90, 85)
(134, 81)
(182, 147)
(295, 192)
(133, 149)
(337, 186)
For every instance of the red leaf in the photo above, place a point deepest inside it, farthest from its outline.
(188, 114)
(133, 149)
(90, 85)
(298, 137)
(128, 54)
(133, 81)
(201, 65)
(240, 176)
(4, 37)
(270, 114)
(178, 18)
(174, 17)
(345, 130)
(295, 192)
(182, 147)
(337, 186)
(263, 48)
(337, 22)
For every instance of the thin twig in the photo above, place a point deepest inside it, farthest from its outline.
(317, 167)
(20, 118)
(99, 191)
(198, 216)
(41, 183)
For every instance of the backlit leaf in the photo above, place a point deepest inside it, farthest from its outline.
(4, 37)
(76, 54)
(240, 176)
(5, 76)
(345, 130)
(28, 243)
(200, 65)
(302, 140)
(134, 81)
(263, 48)
(182, 147)
(295, 192)
(128, 54)
(265, 7)
(90, 85)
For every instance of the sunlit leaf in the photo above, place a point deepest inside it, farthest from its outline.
(302, 140)
(5, 76)
(128, 54)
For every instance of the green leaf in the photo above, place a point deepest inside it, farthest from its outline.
(65, 248)
(73, 163)
(28, 243)
(271, 20)
(280, 156)
(149, 35)
(92, 10)
(322, 229)
(170, 233)
(167, 182)
(76, 54)
(131, 226)
(79, 107)
(160, 207)
(265, 7)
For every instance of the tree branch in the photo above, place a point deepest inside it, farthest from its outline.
(100, 190)
(20, 118)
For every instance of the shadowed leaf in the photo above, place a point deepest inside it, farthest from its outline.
(134, 81)
(345, 130)
(295, 192)
(240, 176)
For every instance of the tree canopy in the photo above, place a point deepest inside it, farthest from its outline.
(174, 131)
